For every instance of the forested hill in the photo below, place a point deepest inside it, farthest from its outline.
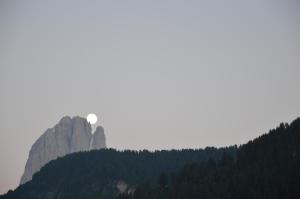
(267, 167)
(98, 173)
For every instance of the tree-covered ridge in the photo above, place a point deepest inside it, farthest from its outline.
(267, 167)
(95, 174)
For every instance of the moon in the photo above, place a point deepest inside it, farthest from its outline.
(91, 118)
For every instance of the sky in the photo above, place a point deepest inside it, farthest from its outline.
(159, 74)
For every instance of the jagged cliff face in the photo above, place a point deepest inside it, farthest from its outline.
(68, 136)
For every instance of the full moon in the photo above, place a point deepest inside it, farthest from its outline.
(91, 118)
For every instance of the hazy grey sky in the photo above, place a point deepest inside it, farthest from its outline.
(159, 74)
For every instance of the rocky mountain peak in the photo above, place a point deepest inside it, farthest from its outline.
(68, 136)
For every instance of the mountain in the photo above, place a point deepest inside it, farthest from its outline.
(267, 167)
(68, 136)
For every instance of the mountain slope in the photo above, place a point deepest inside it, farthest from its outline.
(267, 167)
(98, 173)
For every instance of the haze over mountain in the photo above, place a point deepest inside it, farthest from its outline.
(68, 136)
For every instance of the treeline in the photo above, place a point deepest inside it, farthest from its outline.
(267, 167)
(94, 174)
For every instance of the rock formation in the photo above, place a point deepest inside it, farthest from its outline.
(68, 136)
(98, 139)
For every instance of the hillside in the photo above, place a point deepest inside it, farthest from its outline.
(267, 167)
(98, 173)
